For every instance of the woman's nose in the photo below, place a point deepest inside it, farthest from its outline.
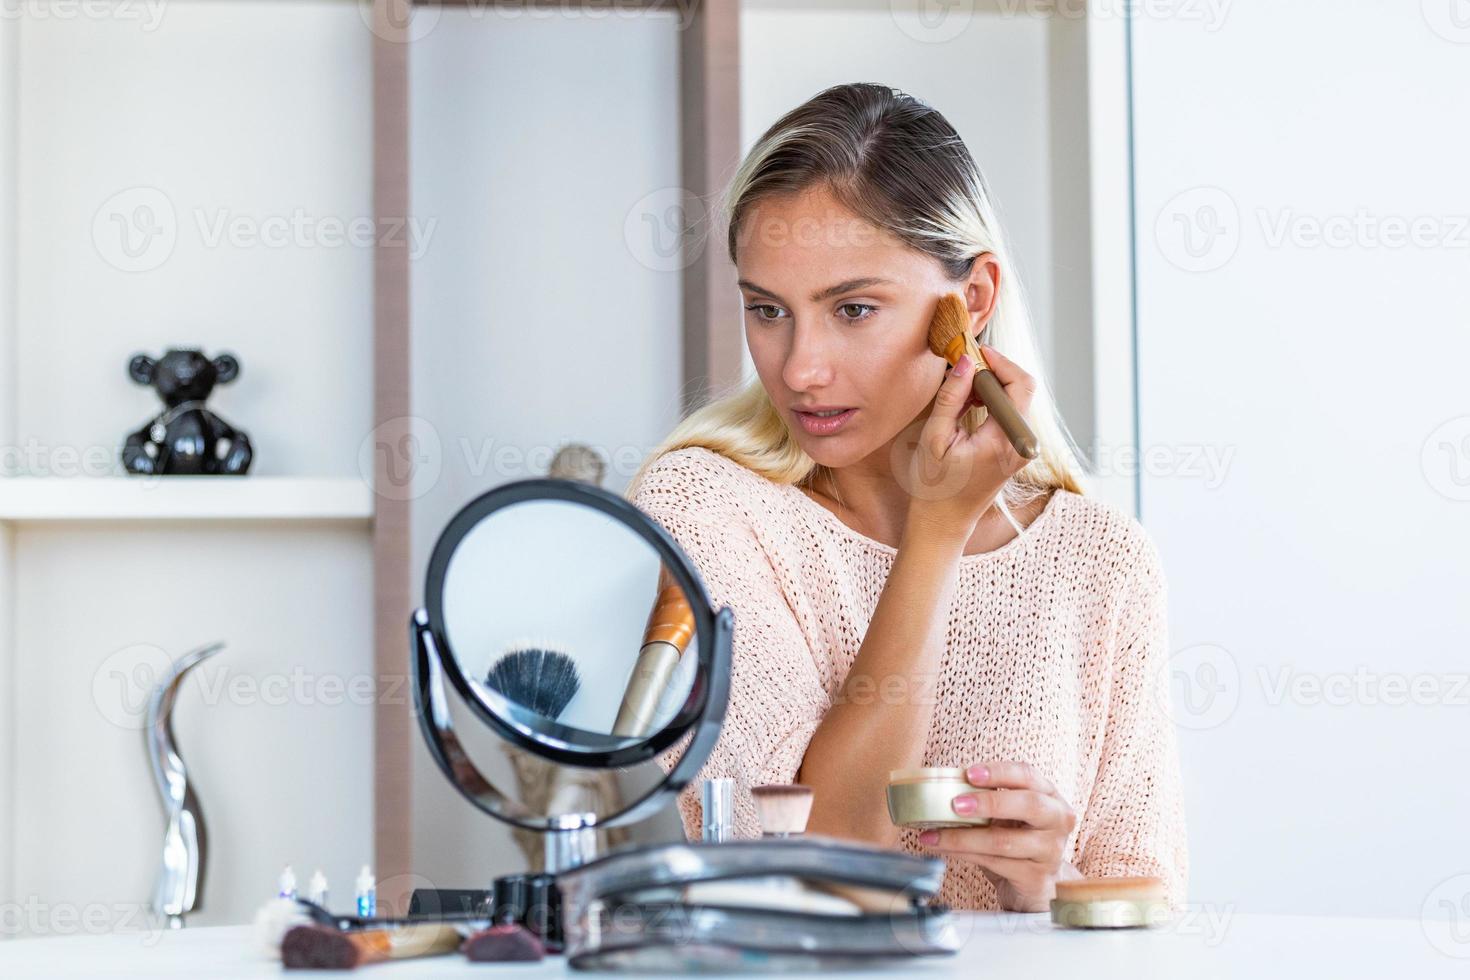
(809, 362)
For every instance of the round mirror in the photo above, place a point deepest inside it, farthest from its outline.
(573, 626)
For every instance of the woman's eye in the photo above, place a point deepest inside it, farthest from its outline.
(856, 311)
(765, 311)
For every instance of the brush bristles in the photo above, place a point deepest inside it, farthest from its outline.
(951, 320)
(320, 948)
(274, 919)
(783, 810)
(543, 680)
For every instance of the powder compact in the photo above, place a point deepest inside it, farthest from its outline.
(923, 799)
(1109, 903)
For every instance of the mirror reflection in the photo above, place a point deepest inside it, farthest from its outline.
(569, 624)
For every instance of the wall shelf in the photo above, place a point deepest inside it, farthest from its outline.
(185, 498)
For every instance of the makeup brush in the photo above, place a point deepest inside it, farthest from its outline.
(505, 943)
(279, 916)
(949, 337)
(540, 679)
(316, 947)
(670, 628)
(783, 810)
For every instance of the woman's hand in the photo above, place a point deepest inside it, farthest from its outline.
(954, 476)
(1023, 850)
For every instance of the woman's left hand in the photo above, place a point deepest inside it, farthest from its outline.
(1023, 850)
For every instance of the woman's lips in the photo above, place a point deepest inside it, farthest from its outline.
(819, 426)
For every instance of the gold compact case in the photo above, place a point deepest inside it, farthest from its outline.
(1109, 903)
(923, 798)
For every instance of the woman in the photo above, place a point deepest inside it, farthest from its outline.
(908, 591)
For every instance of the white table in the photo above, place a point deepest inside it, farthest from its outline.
(1197, 944)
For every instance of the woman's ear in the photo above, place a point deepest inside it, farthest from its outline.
(982, 290)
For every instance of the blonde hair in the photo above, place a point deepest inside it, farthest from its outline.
(899, 165)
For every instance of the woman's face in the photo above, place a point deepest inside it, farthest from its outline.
(837, 316)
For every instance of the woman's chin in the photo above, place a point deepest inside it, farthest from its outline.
(833, 452)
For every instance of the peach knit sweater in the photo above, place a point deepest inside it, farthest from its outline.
(1055, 655)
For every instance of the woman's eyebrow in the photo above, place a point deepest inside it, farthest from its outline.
(821, 294)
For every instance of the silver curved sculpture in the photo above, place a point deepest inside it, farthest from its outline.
(181, 874)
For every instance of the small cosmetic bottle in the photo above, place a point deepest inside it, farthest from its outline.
(923, 799)
(316, 891)
(718, 805)
(367, 893)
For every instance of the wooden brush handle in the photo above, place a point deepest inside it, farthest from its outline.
(426, 939)
(993, 396)
(670, 620)
(670, 628)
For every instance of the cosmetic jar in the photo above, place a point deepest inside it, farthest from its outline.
(1109, 903)
(924, 798)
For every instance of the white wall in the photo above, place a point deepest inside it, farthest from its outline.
(224, 114)
(1331, 547)
(249, 113)
(540, 316)
(8, 47)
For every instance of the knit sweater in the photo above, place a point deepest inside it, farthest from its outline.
(1055, 655)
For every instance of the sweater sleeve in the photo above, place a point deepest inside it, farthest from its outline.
(777, 697)
(1134, 821)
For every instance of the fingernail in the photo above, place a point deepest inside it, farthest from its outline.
(929, 838)
(978, 775)
(965, 805)
(962, 365)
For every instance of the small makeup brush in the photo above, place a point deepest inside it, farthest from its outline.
(315, 947)
(540, 679)
(783, 810)
(949, 337)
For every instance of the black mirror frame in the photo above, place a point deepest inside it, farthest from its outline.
(703, 709)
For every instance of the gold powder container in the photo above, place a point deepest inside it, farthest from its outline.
(923, 798)
(1109, 903)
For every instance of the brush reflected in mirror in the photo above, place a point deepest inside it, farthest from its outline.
(568, 624)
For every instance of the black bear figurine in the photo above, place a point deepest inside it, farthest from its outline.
(186, 438)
